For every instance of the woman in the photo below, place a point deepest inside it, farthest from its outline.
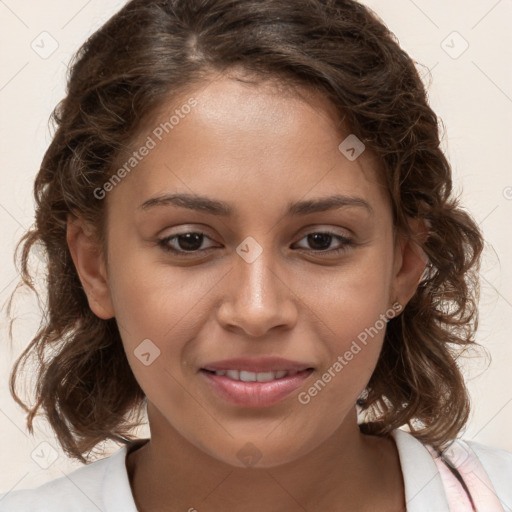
(208, 155)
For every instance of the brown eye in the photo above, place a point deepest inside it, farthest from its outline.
(189, 242)
(320, 241)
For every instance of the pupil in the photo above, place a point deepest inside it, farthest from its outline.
(191, 241)
(320, 237)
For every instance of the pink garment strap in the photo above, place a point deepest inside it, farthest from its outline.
(461, 457)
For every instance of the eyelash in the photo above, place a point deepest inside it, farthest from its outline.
(164, 243)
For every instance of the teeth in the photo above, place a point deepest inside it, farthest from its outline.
(265, 376)
(248, 376)
(245, 376)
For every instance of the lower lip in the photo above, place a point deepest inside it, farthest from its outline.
(256, 394)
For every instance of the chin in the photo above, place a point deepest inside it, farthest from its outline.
(259, 453)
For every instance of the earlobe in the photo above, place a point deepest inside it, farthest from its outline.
(410, 261)
(89, 263)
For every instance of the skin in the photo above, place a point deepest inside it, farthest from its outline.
(257, 147)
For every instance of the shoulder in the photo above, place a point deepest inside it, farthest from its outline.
(497, 463)
(431, 485)
(84, 489)
(491, 457)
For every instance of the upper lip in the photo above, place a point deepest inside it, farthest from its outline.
(263, 364)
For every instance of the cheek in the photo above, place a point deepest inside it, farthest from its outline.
(356, 312)
(154, 300)
(352, 298)
(352, 307)
(165, 305)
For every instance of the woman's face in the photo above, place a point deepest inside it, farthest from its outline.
(293, 257)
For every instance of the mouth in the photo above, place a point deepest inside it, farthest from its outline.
(255, 383)
(259, 365)
(245, 376)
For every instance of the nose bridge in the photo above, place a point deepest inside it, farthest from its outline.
(255, 271)
(258, 299)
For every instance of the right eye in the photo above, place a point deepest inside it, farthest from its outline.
(187, 243)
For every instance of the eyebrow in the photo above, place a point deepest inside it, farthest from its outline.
(215, 207)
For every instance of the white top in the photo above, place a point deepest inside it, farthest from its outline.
(104, 485)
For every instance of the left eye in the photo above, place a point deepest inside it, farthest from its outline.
(190, 242)
(324, 238)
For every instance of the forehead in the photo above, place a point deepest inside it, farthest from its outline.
(230, 135)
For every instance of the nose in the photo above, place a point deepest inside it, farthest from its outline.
(258, 297)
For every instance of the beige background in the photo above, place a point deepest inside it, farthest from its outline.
(471, 92)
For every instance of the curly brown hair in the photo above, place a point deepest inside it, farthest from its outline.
(152, 50)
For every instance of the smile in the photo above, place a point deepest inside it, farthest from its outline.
(254, 389)
(246, 376)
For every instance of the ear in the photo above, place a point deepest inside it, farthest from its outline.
(409, 262)
(89, 263)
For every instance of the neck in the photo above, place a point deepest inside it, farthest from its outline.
(338, 472)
